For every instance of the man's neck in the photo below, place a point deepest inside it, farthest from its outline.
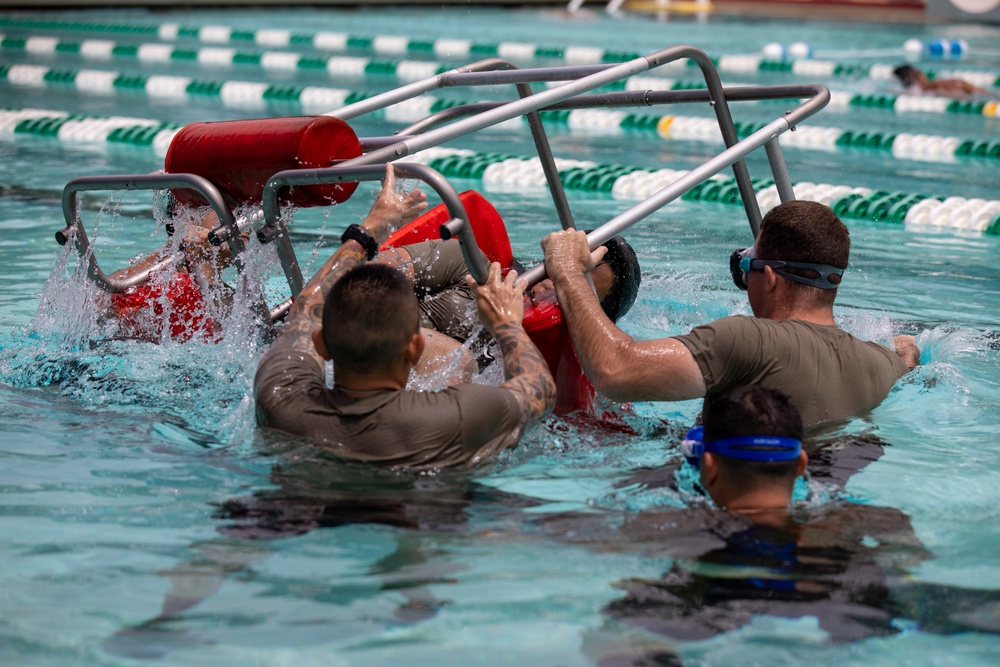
(823, 316)
(363, 383)
(766, 508)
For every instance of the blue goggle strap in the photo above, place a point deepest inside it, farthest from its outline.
(769, 448)
(824, 270)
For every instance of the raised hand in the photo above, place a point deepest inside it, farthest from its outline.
(392, 209)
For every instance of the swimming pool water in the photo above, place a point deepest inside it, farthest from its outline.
(133, 481)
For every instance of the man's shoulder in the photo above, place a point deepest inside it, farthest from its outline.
(462, 395)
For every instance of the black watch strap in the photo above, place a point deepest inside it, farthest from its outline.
(355, 233)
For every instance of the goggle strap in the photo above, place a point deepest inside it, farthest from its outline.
(824, 271)
(756, 448)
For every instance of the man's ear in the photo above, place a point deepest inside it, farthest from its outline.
(770, 278)
(709, 470)
(415, 348)
(803, 462)
(319, 344)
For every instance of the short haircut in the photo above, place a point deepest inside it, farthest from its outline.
(805, 231)
(752, 410)
(369, 315)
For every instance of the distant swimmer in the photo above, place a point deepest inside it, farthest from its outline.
(366, 319)
(916, 81)
(791, 344)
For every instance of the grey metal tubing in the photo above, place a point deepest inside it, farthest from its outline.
(673, 190)
(636, 98)
(513, 109)
(412, 90)
(598, 72)
(782, 181)
(724, 118)
(352, 173)
(522, 75)
(158, 181)
(548, 162)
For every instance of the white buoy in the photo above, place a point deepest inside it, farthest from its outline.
(913, 47)
(773, 51)
(800, 51)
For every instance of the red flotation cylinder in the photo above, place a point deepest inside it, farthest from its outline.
(487, 227)
(239, 156)
(543, 322)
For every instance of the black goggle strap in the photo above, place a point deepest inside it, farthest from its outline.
(824, 271)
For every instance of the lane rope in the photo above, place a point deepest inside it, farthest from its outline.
(918, 147)
(499, 171)
(464, 49)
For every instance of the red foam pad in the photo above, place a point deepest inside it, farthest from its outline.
(239, 156)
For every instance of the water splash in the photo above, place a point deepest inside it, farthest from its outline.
(73, 345)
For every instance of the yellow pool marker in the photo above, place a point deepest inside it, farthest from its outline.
(990, 109)
(663, 126)
(680, 7)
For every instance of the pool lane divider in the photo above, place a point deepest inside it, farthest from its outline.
(315, 96)
(405, 71)
(603, 122)
(408, 71)
(508, 172)
(464, 49)
(68, 127)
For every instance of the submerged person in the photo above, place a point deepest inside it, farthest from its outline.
(791, 343)
(185, 295)
(365, 318)
(916, 81)
(753, 552)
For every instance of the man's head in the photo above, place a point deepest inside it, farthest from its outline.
(760, 432)
(618, 277)
(807, 245)
(370, 320)
(908, 75)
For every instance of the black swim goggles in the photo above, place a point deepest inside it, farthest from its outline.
(768, 448)
(742, 261)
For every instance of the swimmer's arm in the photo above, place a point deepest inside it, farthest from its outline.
(620, 367)
(501, 309)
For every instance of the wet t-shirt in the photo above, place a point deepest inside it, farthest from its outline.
(827, 372)
(398, 428)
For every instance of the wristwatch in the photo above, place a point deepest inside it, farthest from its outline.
(355, 233)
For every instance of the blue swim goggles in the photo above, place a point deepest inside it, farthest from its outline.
(742, 261)
(770, 448)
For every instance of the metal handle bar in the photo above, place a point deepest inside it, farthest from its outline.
(458, 224)
(579, 80)
(762, 137)
(157, 181)
(642, 98)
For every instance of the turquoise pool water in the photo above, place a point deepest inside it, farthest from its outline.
(134, 484)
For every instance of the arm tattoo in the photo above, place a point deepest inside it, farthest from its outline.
(307, 312)
(527, 373)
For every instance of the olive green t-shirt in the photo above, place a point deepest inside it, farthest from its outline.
(827, 372)
(396, 428)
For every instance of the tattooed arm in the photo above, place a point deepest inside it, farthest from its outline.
(501, 309)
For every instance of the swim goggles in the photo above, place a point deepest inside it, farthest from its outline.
(742, 261)
(768, 448)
